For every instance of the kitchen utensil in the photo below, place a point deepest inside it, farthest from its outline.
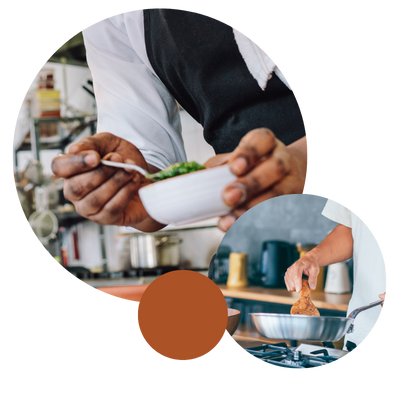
(89, 243)
(304, 305)
(233, 320)
(220, 271)
(34, 173)
(169, 172)
(169, 251)
(44, 224)
(127, 166)
(276, 257)
(338, 279)
(117, 249)
(237, 277)
(306, 327)
(134, 250)
(188, 198)
(150, 251)
(147, 251)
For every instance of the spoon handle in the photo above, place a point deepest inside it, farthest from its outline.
(126, 166)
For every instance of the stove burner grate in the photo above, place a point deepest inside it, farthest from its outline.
(280, 354)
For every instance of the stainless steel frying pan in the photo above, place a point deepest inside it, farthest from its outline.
(306, 327)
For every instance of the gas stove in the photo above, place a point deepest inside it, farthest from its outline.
(302, 356)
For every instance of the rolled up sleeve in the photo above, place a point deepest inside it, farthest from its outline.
(132, 102)
(337, 213)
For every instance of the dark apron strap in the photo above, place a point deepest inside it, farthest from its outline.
(198, 60)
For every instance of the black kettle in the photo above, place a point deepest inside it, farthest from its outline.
(276, 257)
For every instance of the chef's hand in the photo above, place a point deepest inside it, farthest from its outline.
(384, 296)
(265, 168)
(306, 265)
(103, 194)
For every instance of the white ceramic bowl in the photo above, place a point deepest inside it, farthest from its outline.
(188, 198)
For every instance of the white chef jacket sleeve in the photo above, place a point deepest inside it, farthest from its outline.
(132, 102)
(337, 213)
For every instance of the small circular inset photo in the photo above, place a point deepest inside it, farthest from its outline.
(307, 277)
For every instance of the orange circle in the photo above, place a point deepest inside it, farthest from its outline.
(183, 315)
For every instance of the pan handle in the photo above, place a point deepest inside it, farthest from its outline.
(355, 312)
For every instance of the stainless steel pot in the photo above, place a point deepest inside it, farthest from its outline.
(306, 327)
(149, 251)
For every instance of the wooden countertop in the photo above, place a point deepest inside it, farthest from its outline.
(324, 300)
(321, 300)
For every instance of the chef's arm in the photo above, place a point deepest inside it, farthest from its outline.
(336, 247)
(132, 103)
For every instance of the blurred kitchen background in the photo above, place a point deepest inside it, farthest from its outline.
(60, 109)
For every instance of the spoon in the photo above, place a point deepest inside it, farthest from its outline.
(128, 166)
(304, 305)
(169, 172)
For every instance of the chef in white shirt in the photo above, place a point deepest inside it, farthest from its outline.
(145, 62)
(350, 238)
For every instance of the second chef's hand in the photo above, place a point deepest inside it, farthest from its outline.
(265, 168)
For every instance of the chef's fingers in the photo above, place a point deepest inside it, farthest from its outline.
(294, 274)
(79, 185)
(302, 266)
(287, 186)
(68, 165)
(263, 177)
(99, 198)
(225, 222)
(219, 159)
(254, 145)
(312, 272)
(102, 143)
(293, 277)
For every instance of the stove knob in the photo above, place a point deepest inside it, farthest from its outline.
(296, 355)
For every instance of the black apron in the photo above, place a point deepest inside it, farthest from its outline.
(198, 60)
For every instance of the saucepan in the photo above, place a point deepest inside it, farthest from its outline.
(306, 327)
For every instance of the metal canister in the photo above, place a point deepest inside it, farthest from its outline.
(134, 248)
(237, 277)
(147, 251)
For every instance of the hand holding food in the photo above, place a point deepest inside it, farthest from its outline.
(307, 265)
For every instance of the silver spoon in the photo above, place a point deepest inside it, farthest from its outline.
(127, 166)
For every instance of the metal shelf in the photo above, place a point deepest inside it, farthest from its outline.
(37, 143)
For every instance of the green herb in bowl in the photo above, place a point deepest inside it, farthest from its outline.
(176, 170)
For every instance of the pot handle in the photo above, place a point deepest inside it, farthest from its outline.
(161, 241)
(355, 312)
(166, 240)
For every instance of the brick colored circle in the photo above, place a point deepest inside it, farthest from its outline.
(182, 315)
